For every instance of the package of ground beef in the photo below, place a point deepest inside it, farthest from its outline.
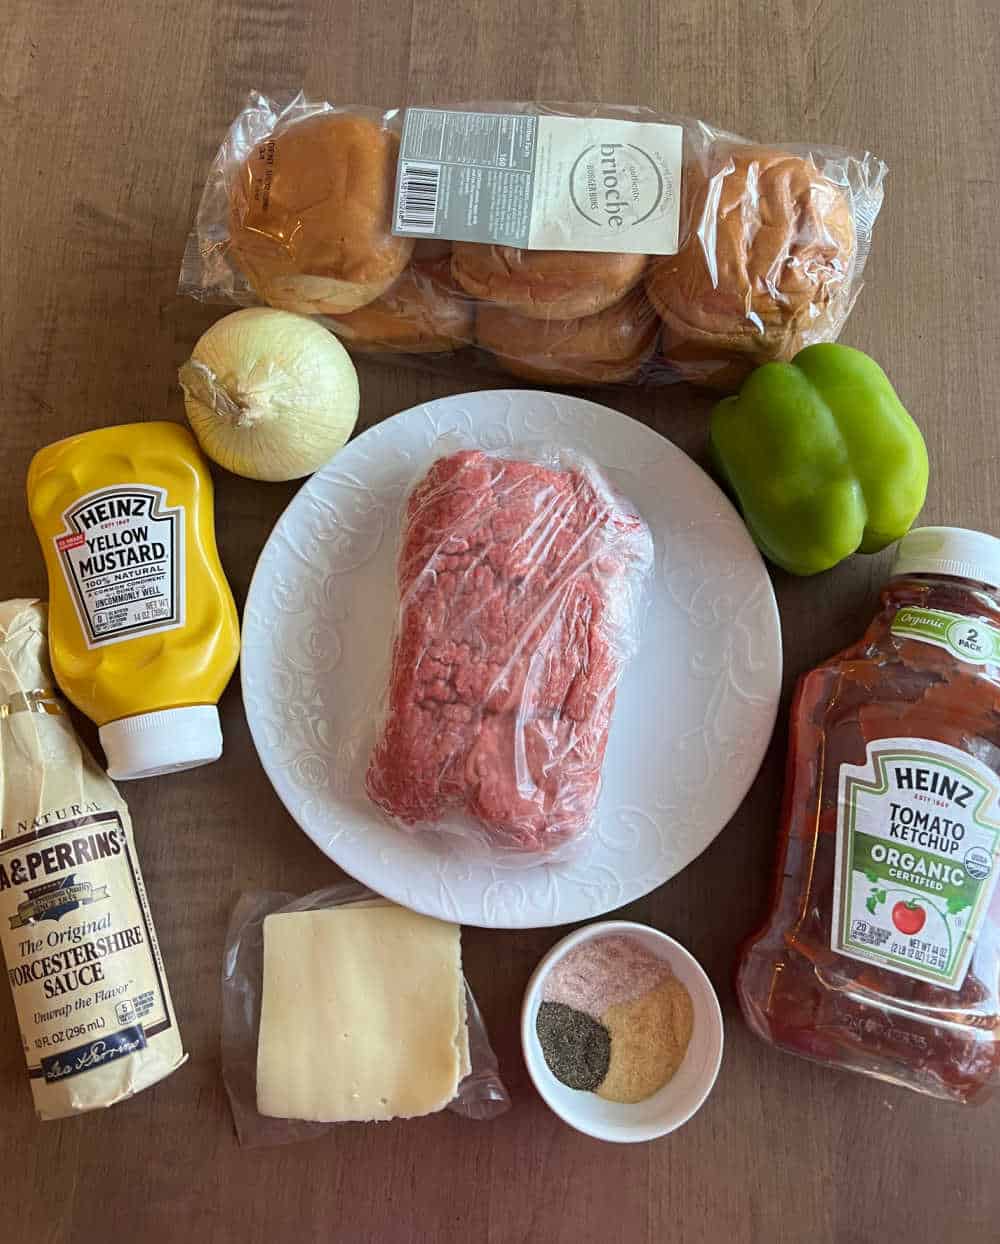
(519, 596)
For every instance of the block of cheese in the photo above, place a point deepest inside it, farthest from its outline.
(362, 1015)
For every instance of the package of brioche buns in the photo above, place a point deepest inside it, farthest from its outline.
(576, 244)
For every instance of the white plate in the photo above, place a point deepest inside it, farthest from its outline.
(694, 711)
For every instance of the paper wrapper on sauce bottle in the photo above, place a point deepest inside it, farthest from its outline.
(97, 1022)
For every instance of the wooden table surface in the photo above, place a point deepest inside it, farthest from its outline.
(111, 113)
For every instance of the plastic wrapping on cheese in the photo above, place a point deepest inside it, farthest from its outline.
(519, 583)
(274, 1055)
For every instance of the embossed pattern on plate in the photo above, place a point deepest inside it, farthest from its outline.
(695, 709)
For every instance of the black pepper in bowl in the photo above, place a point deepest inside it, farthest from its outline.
(577, 1048)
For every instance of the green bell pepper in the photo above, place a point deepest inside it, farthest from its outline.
(822, 456)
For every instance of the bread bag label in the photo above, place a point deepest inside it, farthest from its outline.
(78, 941)
(122, 552)
(539, 182)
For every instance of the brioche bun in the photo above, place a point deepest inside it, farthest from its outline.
(543, 285)
(423, 313)
(704, 366)
(311, 215)
(595, 349)
(431, 248)
(766, 261)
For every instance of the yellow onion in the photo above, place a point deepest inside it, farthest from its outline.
(270, 395)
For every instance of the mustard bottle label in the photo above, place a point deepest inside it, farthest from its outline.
(122, 553)
(82, 958)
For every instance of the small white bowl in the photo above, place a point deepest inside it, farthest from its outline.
(671, 1106)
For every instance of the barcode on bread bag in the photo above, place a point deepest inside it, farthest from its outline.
(417, 202)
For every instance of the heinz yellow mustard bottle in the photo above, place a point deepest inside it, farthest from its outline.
(143, 632)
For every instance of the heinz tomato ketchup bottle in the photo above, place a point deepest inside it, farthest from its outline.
(881, 952)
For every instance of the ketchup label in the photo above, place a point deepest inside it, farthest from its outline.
(918, 835)
(967, 639)
(122, 552)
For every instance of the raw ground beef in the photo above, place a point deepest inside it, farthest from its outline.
(517, 587)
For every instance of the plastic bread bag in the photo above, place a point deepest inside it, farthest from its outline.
(521, 578)
(564, 244)
(481, 1094)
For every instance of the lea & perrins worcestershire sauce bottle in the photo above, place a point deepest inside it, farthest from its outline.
(83, 964)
